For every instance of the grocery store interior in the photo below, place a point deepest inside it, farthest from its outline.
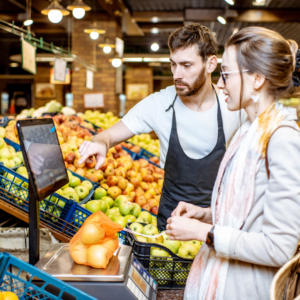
(83, 64)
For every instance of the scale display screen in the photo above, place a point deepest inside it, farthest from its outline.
(42, 155)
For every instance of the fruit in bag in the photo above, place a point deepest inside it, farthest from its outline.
(96, 241)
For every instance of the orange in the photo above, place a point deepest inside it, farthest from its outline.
(10, 296)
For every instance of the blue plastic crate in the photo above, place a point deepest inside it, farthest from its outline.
(15, 145)
(52, 288)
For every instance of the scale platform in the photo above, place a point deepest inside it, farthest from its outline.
(124, 277)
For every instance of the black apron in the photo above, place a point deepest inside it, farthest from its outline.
(187, 179)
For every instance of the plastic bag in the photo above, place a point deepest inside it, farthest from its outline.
(96, 241)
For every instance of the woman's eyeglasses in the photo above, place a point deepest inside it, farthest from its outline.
(224, 74)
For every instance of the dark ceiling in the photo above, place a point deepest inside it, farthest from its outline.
(280, 15)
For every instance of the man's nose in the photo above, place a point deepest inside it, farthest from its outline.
(177, 74)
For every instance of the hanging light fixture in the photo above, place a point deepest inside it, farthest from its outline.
(28, 22)
(107, 47)
(154, 47)
(78, 8)
(55, 11)
(116, 62)
(94, 32)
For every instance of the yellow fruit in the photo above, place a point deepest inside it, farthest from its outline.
(92, 234)
(10, 296)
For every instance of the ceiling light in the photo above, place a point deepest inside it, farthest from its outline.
(230, 2)
(94, 32)
(107, 49)
(154, 19)
(78, 8)
(221, 20)
(28, 22)
(116, 62)
(13, 65)
(55, 11)
(259, 3)
(154, 47)
(154, 30)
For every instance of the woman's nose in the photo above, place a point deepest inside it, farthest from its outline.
(220, 83)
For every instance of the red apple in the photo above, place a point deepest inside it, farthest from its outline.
(112, 180)
(66, 164)
(114, 192)
(90, 162)
(80, 172)
(146, 207)
(118, 148)
(143, 162)
(131, 197)
(152, 202)
(70, 157)
(109, 171)
(136, 149)
(122, 183)
(91, 176)
(77, 164)
(135, 182)
(131, 174)
(145, 186)
(154, 210)
(71, 167)
(103, 167)
(140, 200)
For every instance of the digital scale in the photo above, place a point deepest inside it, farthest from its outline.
(124, 277)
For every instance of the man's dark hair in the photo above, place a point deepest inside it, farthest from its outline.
(194, 34)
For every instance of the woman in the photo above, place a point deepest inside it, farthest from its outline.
(253, 225)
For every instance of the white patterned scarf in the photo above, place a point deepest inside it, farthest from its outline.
(232, 203)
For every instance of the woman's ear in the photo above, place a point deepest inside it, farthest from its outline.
(259, 81)
(211, 64)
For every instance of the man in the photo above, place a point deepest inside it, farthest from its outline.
(190, 120)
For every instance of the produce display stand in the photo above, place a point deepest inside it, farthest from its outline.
(169, 272)
(63, 222)
(26, 289)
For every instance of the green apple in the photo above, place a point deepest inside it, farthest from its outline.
(142, 220)
(147, 215)
(61, 203)
(17, 160)
(159, 252)
(60, 192)
(20, 155)
(120, 220)
(104, 205)
(82, 205)
(21, 170)
(65, 186)
(74, 181)
(150, 230)
(69, 173)
(136, 210)
(137, 227)
(187, 251)
(114, 210)
(197, 244)
(87, 184)
(12, 163)
(2, 142)
(99, 193)
(154, 221)
(115, 216)
(130, 218)
(108, 200)
(172, 244)
(2, 132)
(93, 206)
(141, 238)
(71, 194)
(157, 240)
(5, 153)
(82, 192)
(5, 162)
(119, 200)
(125, 208)
(11, 149)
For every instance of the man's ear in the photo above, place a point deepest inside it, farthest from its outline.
(211, 63)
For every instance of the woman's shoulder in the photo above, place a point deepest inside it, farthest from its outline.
(286, 135)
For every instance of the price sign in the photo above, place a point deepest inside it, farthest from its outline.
(28, 57)
(60, 66)
(93, 100)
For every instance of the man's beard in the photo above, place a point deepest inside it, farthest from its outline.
(194, 88)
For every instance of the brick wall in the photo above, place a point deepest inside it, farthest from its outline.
(104, 78)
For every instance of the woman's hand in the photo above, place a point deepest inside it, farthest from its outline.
(188, 210)
(186, 229)
(88, 149)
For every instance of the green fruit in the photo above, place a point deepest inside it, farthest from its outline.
(87, 184)
(93, 206)
(17, 160)
(108, 200)
(147, 215)
(99, 193)
(22, 170)
(130, 219)
(74, 181)
(82, 192)
(20, 155)
(104, 206)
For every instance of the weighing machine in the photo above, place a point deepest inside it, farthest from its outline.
(124, 277)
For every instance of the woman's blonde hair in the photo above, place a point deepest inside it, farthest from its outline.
(266, 52)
